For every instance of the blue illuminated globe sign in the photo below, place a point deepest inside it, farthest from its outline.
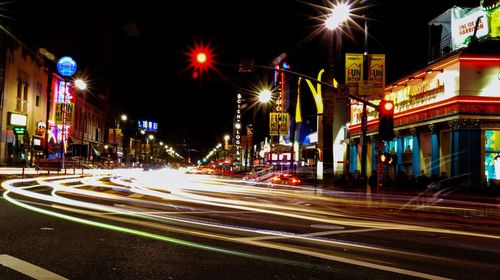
(66, 66)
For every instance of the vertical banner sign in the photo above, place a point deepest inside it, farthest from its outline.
(278, 123)
(353, 71)
(237, 124)
(70, 109)
(118, 136)
(111, 136)
(376, 74)
(59, 113)
(115, 136)
(60, 108)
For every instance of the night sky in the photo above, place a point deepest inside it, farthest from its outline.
(139, 48)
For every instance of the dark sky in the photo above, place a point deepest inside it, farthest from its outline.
(140, 48)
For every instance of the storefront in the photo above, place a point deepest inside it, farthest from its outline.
(446, 121)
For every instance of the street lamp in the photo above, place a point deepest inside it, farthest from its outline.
(82, 85)
(340, 14)
(265, 97)
(150, 137)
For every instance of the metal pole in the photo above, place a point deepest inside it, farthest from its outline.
(364, 121)
(49, 100)
(63, 133)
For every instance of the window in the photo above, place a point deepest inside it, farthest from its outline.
(19, 104)
(22, 92)
(38, 93)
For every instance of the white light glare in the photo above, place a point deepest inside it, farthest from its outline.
(340, 13)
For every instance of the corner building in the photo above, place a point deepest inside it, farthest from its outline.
(447, 118)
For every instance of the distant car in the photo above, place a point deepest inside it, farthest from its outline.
(285, 179)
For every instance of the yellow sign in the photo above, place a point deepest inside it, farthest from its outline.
(64, 113)
(353, 71)
(376, 73)
(278, 123)
(114, 136)
(354, 79)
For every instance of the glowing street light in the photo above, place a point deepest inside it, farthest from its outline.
(265, 96)
(340, 13)
(80, 84)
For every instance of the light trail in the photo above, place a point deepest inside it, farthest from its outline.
(131, 194)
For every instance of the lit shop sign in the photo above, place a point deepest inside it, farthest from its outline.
(19, 130)
(66, 66)
(463, 26)
(64, 92)
(147, 125)
(40, 129)
(17, 119)
(237, 124)
(37, 142)
(418, 94)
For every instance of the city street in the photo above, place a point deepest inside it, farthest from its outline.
(165, 224)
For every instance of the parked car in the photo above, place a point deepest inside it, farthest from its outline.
(286, 179)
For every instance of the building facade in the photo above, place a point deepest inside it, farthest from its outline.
(30, 110)
(23, 107)
(446, 121)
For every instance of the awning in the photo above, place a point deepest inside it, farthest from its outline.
(95, 150)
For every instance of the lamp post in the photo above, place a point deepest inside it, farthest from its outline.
(82, 85)
(118, 140)
(265, 97)
(66, 67)
(330, 122)
(340, 14)
(150, 137)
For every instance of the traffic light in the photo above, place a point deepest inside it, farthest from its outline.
(201, 59)
(386, 158)
(386, 120)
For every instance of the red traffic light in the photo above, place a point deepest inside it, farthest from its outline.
(388, 106)
(386, 120)
(201, 59)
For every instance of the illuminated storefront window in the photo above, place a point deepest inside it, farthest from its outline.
(492, 155)
(391, 146)
(408, 144)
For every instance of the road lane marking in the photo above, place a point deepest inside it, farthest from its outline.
(28, 269)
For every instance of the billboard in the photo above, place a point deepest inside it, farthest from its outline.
(463, 25)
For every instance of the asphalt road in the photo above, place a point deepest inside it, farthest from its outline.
(173, 226)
